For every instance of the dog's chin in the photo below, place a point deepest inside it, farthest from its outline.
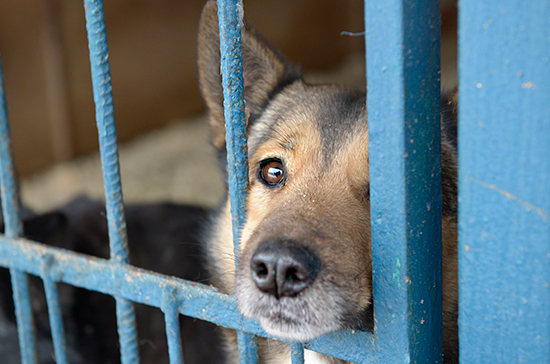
(293, 331)
(300, 318)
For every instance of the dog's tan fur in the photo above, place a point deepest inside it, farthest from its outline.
(320, 135)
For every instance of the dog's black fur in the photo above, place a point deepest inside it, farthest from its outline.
(162, 237)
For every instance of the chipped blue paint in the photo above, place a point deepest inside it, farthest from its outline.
(396, 276)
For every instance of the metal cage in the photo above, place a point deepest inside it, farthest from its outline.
(504, 195)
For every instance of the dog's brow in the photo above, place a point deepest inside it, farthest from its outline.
(288, 144)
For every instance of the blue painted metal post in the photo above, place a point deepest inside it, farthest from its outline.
(504, 188)
(230, 15)
(103, 98)
(402, 51)
(171, 319)
(297, 353)
(56, 319)
(14, 228)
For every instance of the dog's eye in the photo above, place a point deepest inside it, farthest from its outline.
(272, 172)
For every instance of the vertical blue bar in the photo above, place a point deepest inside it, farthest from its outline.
(248, 348)
(230, 15)
(13, 229)
(504, 181)
(402, 52)
(56, 320)
(171, 319)
(103, 98)
(297, 353)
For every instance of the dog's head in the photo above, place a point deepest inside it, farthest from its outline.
(305, 264)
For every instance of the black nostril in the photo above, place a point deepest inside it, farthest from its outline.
(283, 267)
(263, 272)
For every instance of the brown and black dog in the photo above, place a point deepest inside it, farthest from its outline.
(305, 265)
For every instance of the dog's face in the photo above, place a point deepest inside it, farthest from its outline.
(305, 264)
(304, 269)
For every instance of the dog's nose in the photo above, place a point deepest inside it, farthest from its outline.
(283, 268)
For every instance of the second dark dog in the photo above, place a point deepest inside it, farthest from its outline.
(163, 238)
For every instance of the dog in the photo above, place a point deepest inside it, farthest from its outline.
(304, 267)
(163, 237)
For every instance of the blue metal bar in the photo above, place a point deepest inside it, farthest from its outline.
(105, 118)
(14, 228)
(101, 81)
(127, 333)
(171, 318)
(297, 353)
(402, 53)
(230, 15)
(24, 316)
(504, 189)
(194, 299)
(56, 319)
(248, 347)
(11, 207)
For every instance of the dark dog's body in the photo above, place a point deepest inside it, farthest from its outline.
(162, 237)
(305, 266)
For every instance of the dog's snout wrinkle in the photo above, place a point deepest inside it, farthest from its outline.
(283, 268)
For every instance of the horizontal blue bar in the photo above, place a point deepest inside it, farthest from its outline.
(142, 286)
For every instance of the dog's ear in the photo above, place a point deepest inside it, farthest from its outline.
(265, 71)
